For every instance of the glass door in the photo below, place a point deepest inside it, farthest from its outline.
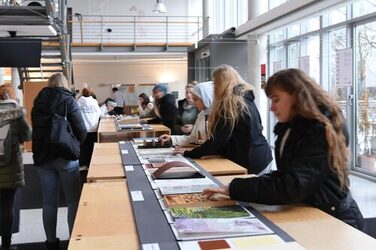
(365, 61)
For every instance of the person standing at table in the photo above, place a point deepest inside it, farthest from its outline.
(202, 95)
(311, 152)
(187, 112)
(235, 127)
(119, 98)
(145, 106)
(52, 165)
(14, 130)
(164, 108)
(91, 114)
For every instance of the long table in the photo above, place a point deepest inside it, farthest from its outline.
(106, 164)
(105, 221)
(107, 131)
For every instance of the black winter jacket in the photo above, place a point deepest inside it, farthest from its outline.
(167, 109)
(303, 175)
(245, 145)
(48, 101)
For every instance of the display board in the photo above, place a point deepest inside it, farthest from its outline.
(172, 213)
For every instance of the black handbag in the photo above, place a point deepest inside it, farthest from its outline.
(62, 137)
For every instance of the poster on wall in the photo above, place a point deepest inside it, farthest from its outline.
(344, 73)
(304, 64)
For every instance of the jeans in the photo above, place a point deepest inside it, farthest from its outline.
(7, 197)
(50, 173)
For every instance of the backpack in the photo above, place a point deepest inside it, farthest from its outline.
(5, 144)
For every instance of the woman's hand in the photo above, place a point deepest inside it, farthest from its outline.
(178, 151)
(164, 138)
(209, 192)
(187, 128)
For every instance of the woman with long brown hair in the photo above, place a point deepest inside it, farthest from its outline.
(311, 152)
(235, 128)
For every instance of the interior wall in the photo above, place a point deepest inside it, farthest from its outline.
(101, 76)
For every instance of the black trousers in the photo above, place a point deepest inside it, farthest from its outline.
(86, 149)
(7, 211)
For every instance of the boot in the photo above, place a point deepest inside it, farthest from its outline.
(53, 245)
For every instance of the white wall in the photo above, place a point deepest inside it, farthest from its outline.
(101, 75)
(135, 7)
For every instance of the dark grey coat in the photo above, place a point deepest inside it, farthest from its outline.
(12, 175)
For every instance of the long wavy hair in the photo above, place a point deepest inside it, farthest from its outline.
(228, 103)
(309, 98)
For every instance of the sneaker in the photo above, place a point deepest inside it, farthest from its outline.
(84, 168)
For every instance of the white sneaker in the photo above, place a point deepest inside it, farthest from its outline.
(84, 168)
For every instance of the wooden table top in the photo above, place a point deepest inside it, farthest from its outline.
(106, 164)
(105, 221)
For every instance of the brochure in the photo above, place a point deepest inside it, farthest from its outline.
(210, 212)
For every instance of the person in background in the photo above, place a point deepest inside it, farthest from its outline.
(187, 112)
(145, 106)
(235, 127)
(202, 95)
(53, 166)
(311, 152)
(164, 108)
(119, 99)
(107, 108)
(12, 121)
(91, 113)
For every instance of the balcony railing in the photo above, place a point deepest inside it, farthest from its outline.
(136, 30)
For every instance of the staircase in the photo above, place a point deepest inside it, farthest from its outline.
(48, 22)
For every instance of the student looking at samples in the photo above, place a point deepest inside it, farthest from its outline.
(187, 112)
(311, 152)
(202, 95)
(235, 128)
(145, 106)
(164, 108)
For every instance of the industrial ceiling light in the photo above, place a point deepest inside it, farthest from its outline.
(159, 7)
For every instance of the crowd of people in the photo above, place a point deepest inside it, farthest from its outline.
(218, 116)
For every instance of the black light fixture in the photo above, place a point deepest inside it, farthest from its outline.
(159, 7)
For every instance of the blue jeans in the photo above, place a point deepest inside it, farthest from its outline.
(50, 173)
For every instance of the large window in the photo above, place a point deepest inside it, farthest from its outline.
(315, 45)
(365, 50)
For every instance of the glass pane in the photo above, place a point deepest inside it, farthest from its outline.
(310, 25)
(361, 8)
(334, 16)
(311, 47)
(293, 30)
(365, 50)
(293, 54)
(275, 3)
(277, 59)
(337, 41)
(277, 35)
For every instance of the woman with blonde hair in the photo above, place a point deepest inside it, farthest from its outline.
(235, 128)
(54, 166)
(14, 130)
(311, 152)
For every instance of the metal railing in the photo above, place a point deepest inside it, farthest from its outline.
(137, 29)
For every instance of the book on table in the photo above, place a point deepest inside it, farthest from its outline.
(196, 199)
(191, 229)
(210, 212)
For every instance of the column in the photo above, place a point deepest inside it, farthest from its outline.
(254, 76)
(15, 84)
(205, 21)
